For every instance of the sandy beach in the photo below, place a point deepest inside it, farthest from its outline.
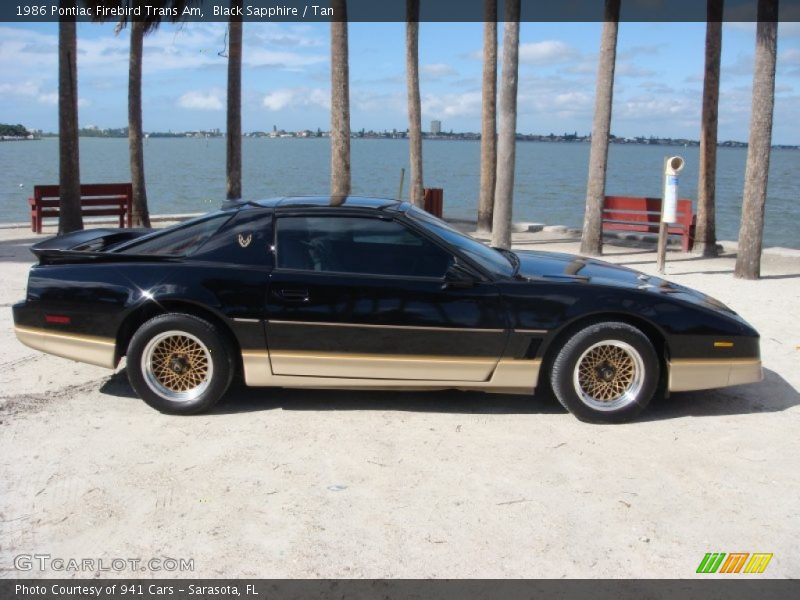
(299, 483)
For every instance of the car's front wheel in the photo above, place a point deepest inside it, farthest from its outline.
(179, 363)
(607, 372)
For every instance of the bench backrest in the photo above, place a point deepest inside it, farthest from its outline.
(95, 192)
(645, 210)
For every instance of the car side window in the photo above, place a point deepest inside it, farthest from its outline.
(360, 245)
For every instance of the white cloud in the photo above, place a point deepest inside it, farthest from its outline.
(436, 70)
(213, 99)
(627, 69)
(637, 51)
(282, 35)
(369, 99)
(170, 48)
(789, 27)
(466, 104)
(260, 57)
(51, 98)
(555, 96)
(790, 56)
(655, 106)
(547, 52)
(280, 99)
(32, 90)
(742, 66)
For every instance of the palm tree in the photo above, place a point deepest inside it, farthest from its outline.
(69, 179)
(140, 27)
(705, 234)
(748, 259)
(507, 140)
(234, 126)
(141, 213)
(592, 238)
(340, 102)
(414, 103)
(488, 118)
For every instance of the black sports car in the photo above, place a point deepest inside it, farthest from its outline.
(352, 292)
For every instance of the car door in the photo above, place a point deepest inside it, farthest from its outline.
(357, 296)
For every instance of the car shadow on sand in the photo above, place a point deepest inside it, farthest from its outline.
(774, 394)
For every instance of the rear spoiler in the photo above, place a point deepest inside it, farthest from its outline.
(87, 245)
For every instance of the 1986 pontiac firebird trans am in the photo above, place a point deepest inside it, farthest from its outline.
(349, 292)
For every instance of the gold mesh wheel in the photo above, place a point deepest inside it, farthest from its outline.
(609, 375)
(177, 365)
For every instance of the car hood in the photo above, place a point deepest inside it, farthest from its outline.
(551, 266)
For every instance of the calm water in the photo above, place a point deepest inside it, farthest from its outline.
(188, 175)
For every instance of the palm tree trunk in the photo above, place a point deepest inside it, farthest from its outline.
(488, 118)
(69, 179)
(414, 102)
(748, 259)
(705, 234)
(592, 238)
(340, 102)
(141, 214)
(507, 140)
(234, 125)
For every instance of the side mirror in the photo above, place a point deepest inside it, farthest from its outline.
(458, 276)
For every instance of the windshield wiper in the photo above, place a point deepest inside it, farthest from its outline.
(512, 258)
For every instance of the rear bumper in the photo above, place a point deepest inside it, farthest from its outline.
(95, 350)
(704, 374)
(83, 348)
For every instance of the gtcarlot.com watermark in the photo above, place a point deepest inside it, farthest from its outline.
(48, 562)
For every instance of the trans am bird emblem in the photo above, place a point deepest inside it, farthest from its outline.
(244, 240)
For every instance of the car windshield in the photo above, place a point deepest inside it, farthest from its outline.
(490, 259)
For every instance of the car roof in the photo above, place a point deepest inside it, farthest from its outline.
(330, 201)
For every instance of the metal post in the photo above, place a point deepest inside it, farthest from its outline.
(661, 248)
(669, 201)
(402, 176)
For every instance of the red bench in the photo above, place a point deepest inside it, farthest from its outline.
(625, 213)
(97, 199)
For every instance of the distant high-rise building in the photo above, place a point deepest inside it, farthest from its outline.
(436, 127)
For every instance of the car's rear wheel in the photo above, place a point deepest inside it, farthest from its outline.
(607, 372)
(179, 363)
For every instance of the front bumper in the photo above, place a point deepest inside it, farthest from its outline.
(705, 374)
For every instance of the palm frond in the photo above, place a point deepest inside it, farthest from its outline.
(151, 21)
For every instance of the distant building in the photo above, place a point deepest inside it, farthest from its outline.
(436, 127)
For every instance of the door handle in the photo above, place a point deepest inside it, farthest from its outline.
(293, 294)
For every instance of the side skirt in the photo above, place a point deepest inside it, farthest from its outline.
(510, 376)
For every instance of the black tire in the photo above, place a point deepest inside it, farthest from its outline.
(188, 364)
(606, 373)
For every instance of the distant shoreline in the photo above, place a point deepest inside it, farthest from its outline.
(456, 138)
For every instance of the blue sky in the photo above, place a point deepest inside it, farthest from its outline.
(286, 77)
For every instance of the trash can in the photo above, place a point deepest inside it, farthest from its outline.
(433, 200)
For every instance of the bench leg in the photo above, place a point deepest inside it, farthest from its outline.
(686, 241)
